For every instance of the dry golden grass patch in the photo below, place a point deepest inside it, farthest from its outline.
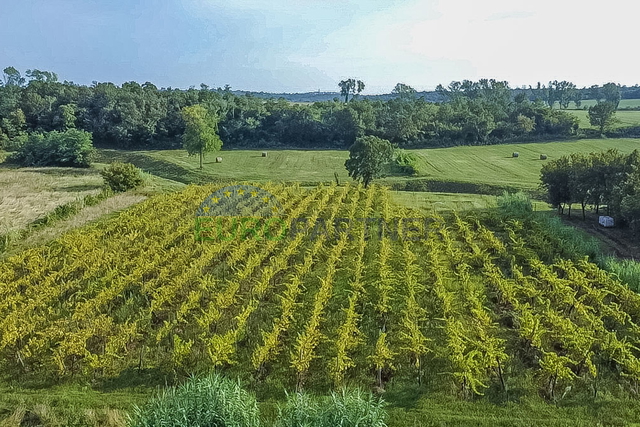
(27, 194)
(89, 214)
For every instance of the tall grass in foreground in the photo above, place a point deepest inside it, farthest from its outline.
(345, 409)
(208, 401)
(215, 401)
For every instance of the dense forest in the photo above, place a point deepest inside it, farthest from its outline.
(145, 116)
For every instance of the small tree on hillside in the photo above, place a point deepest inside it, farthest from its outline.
(201, 131)
(602, 115)
(367, 156)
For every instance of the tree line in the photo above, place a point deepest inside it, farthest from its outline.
(145, 116)
(608, 180)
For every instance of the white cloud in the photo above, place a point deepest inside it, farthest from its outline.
(426, 43)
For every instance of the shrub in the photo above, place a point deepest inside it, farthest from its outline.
(122, 176)
(347, 409)
(405, 162)
(211, 401)
(70, 148)
(515, 205)
(628, 271)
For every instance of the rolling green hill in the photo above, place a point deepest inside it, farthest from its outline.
(491, 165)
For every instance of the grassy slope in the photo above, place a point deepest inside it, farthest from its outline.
(479, 164)
(625, 118)
(29, 193)
(429, 202)
(494, 164)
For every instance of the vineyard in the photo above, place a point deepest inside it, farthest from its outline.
(462, 308)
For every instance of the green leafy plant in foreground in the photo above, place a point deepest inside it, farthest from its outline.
(348, 408)
(207, 401)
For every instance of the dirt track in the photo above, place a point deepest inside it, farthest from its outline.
(620, 242)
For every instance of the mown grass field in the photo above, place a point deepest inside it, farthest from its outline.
(491, 165)
(625, 118)
(434, 202)
(624, 103)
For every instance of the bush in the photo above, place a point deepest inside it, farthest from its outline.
(70, 148)
(405, 162)
(122, 176)
(628, 271)
(209, 401)
(346, 409)
(515, 205)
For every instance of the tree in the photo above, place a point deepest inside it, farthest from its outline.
(611, 94)
(563, 92)
(351, 87)
(367, 156)
(201, 131)
(73, 148)
(602, 115)
(556, 179)
(12, 77)
(404, 91)
(630, 203)
(42, 76)
(577, 97)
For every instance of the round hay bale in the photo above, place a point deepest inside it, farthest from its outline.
(543, 157)
(264, 154)
(515, 154)
(218, 159)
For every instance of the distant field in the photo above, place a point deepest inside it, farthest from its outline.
(626, 118)
(492, 165)
(279, 165)
(439, 202)
(429, 202)
(589, 102)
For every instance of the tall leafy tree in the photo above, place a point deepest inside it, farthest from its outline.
(556, 180)
(404, 91)
(13, 77)
(351, 87)
(563, 92)
(201, 131)
(367, 156)
(611, 94)
(602, 115)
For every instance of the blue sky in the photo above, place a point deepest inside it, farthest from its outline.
(308, 45)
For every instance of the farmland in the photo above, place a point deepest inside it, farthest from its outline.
(491, 165)
(624, 103)
(437, 306)
(625, 118)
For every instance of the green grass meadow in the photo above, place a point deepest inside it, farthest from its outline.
(625, 118)
(491, 165)
(624, 103)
